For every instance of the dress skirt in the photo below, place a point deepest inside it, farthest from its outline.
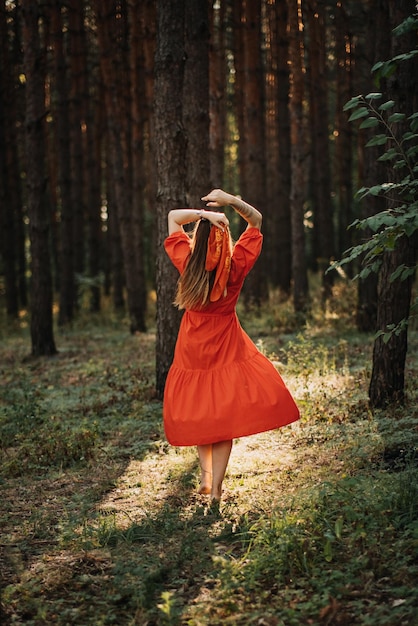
(220, 386)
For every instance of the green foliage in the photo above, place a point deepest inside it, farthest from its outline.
(328, 546)
(31, 439)
(399, 150)
(388, 226)
(121, 537)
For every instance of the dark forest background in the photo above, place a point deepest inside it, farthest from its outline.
(112, 112)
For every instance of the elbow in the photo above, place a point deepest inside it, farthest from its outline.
(257, 222)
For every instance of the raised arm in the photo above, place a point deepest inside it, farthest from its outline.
(218, 198)
(178, 217)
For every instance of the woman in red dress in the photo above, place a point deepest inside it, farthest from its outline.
(220, 386)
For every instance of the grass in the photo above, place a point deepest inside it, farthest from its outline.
(101, 522)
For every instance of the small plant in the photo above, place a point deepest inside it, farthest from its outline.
(389, 225)
(169, 608)
(399, 151)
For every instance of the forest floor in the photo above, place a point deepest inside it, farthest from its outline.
(101, 522)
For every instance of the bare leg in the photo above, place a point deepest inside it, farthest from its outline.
(205, 459)
(220, 457)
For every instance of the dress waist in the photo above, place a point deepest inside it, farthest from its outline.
(210, 313)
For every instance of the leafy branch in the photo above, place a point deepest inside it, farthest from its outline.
(389, 225)
(400, 152)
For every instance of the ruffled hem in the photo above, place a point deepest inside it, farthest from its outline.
(240, 399)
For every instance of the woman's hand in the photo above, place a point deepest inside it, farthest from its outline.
(217, 219)
(217, 197)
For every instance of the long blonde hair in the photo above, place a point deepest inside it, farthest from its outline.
(195, 284)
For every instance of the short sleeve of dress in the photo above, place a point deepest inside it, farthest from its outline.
(177, 246)
(246, 252)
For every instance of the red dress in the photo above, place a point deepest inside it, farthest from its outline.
(220, 386)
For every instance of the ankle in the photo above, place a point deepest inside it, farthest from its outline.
(216, 492)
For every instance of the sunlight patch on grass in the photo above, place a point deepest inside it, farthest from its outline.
(121, 536)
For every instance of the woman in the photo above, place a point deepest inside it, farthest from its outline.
(219, 386)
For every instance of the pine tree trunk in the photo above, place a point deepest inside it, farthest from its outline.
(41, 326)
(320, 174)
(115, 246)
(138, 122)
(196, 100)
(77, 60)
(7, 176)
(94, 133)
(217, 95)
(371, 171)
(298, 163)
(170, 142)
(283, 238)
(271, 54)
(238, 45)
(113, 61)
(388, 373)
(255, 289)
(62, 128)
(343, 129)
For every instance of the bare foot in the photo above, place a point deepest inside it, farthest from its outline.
(216, 494)
(205, 482)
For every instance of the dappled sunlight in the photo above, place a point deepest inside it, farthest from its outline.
(101, 514)
(146, 484)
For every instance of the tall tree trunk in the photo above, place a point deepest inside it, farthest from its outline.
(217, 94)
(94, 132)
(170, 142)
(388, 373)
(298, 161)
(196, 100)
(148, 35)
(376, 17)
(138, 123)
(394, 298)
(318, 106)
(238, 180)
(19, 134)
(7, 176)
(283, 235)
(113, 61)
(62, 130)
(77, 59)
(271, 61)
(41, 325)
(115, 245)
(256, 287)
(343, 129)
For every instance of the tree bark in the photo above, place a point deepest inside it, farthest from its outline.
(255, 289)
(113, 62)
(283, 237)
(343, 129)
(217, 95)
(298, 162)
(78, 98)
(388, 374)
(8, 164)
(41, 325)
(320, 173)
(170, 152)
(138, 123)
(370, 172)
(196, 100)
(62, 132)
